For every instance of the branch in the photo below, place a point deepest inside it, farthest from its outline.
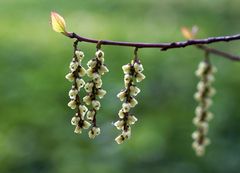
(165, 46)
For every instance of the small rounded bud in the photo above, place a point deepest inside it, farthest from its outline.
(119, 139)
(121, 95)
(96, 104)
(138, 67)
(72, 104)
(126, 68)
(126, 107)
(98, 83)
(208, 102)
(87, 99)
(210, 78)
(88, 87)
(201, 86)
(133, 102)
(95, 131)
(195, 135)
(99, 54)
(82, 72)
(83, 109)
(127, 134)
(90, 114)
(209, 116)
(70, 77)
(78, 130)
(79, 54)
(140, 77)
(86, 124)
(127, 79)
(75, 120)
(134, 90)
(121, 113)
(198, 96)
(131, 119)
(72, 93)
(92, 63)
(119, 124)
(80, 83)
(73, 66)
(90, 72)
(101, 93)
(103, 69)
(200, 151)
(96, 77)
(211, 92)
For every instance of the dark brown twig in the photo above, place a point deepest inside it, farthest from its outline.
(165, 46)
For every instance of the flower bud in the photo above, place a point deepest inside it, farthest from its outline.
(133, 102)
(78, 130)
(101, 93)
(121, 95)
(96, 104)
(90, 114)
(73, 66)
(86, 124)
(196, 135)
(87, 99)
(121, 114)
(79, 54)
(99, 54)
(119, 124)
(98, 83)
(127, 79)
(90, 72)
(103, 69)
(82, 72)
(138, 67)
(126, 68)
(127, 134)
(131, 119)
(80, 83)
(88, 87)
(95, 131)
(83, 109)
(72, 93)
(119, 139)
(70, 77)
(92, 63)
(72, 104)
(134, 90)
(140, 77)
(75, 120)
(96, 77)
(126, 107)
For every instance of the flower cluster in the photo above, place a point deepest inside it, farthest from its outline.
(203, 95)
(75, 76)
(132, 71)
(96, 68)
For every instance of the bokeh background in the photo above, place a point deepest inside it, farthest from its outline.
(35, 131)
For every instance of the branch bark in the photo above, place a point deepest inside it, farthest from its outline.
(199, 43)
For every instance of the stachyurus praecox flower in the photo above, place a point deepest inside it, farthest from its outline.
(96, 68)
(75, 76)
(132, 72)
(204, 94)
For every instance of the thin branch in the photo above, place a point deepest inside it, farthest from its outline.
(165, 46)
(219, 52)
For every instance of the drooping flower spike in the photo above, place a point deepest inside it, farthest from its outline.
(96, 68)
(75, 76)
(204, 94)
(132, 73)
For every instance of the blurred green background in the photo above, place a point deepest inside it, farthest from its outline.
(35, 131)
